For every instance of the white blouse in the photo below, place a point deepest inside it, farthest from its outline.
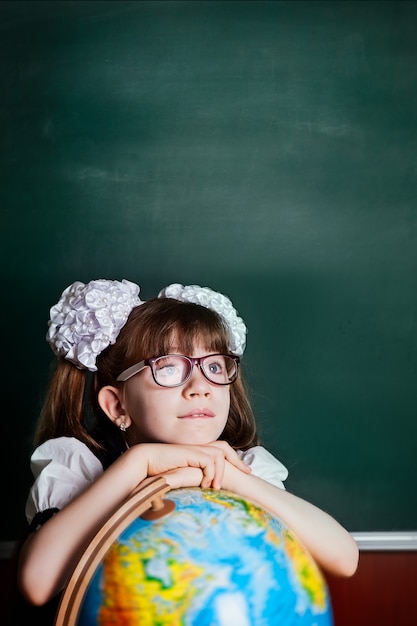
(64, 467)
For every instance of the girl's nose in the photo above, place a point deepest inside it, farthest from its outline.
(197, 384)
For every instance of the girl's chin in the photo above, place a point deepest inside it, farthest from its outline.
(195, 439)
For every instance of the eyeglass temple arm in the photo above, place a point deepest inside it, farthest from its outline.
(131, 371)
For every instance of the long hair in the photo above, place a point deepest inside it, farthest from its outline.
(71, 405)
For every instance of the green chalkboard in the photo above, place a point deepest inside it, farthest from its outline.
(264, 149)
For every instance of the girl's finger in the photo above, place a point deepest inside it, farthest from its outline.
(232, 456)
(208, 472)
(219, 472)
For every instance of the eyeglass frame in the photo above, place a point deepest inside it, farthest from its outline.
(131, 371)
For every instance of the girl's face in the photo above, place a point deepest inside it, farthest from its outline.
(193, 413)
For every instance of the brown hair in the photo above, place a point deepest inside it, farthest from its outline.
(71, 405)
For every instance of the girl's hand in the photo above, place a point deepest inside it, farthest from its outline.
(209, 459)
(230, 456)
(184, 477)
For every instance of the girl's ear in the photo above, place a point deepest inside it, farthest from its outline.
(110, 401)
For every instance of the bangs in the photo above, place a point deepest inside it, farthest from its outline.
(163, 326)
(184, 339)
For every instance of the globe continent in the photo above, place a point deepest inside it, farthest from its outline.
(216, 560)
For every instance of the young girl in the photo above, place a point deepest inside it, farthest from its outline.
(148, 389)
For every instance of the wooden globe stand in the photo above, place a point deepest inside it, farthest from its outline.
(147, 501)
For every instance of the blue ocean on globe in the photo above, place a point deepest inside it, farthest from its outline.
(216, 560)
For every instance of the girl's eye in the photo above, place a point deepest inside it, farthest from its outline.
(215, 368)
(168, 370)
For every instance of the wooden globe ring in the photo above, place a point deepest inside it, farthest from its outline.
(146, 501)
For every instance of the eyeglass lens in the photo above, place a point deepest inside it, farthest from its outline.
(172, 370)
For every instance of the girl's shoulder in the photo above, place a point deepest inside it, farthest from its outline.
(264, 465)
(66, 451)
(62, 468)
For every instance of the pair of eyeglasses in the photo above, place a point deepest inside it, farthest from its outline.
(173, 370)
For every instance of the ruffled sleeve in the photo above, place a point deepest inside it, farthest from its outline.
(62, 468)
(264, 465)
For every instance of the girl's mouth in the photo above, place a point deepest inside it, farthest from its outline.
(197, 413)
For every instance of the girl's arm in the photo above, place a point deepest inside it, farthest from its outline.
(331, 545)
(50, 554)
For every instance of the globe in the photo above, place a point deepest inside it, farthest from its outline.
(214, 560)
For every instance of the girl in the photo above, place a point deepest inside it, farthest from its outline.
(146, 389)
